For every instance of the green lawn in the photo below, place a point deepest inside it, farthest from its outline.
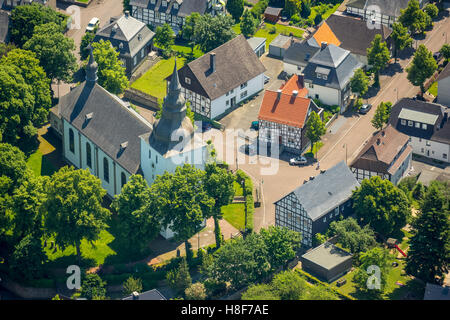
(237, 189)
(329, 12)
(153, 81)
(433, 89)
(181, 47)
(40, 165)
(235, 214)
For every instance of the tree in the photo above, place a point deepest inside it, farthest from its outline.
(431, 10)
(289, 285)
(74, 209)
(382, 114)
(13, 165)
(260, 292)
(54, 51)
(34, 75)
(126, 5)
(5, 48)
(111, 73)
(16, 106)
(318, 19)
(132, 285)
(87, 39)
(179, 279)
(359, 83)
(378, 56)
(351, 236)
(219, 186)
(189, 26)
(400, 37)
(306, 9)
(248, 24)
(235, 8)
(429, 251)
(366, 277)
(93, 287)
(196, 291)
(381, 205)
(414, 18)
(139, 222)
(182, 202)
(164, 36)
(445, 50)
(211, 32)
(25, 18)
(292, 7)
(27, 258)
(315, 128)
(422, 67)
(282, 245)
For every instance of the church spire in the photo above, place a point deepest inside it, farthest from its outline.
(92, 67)
(174, 81)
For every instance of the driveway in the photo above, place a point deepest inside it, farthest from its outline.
(242, 117)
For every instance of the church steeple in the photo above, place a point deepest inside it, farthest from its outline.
(92, 67)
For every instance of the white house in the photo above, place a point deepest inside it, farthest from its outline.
(444, 86)
(427, 125)
(103, 134)
(220, 79)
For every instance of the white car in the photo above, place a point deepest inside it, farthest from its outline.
(93, 24)
(298, 161)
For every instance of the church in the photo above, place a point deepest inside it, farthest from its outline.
(102, 133)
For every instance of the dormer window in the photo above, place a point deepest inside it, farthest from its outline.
(187, 80)
(139, 37)
(424, 126)
(164, 3)
(175, 5)
(403, 122)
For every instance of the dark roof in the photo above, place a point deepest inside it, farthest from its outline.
(189, 6)
(127, 32)
(341, 63)
(273, 11)
(436, 292)
(236, 63)
(356, 4)
(354, 34)
(445, 73)
(381, 150)
(387, 7)
(112, 122)
(299, 53)
(153, 294)
(4, 26)
(326, 191)
(184, 10)
(441, 128)
(327, 255)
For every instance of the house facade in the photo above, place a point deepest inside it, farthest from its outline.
(131, 38)
(219, 80)
(444, 86)
(387, 155)
(311, 208)
(427, 126)
(173, 12)
(283, 116)
(328, 73)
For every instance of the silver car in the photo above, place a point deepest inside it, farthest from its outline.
(298, 161)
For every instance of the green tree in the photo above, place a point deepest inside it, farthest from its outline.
(431, 10)
(111, 73)
(378, 56)
(422, 67)
(292, 7)
(445, 50)
(235, 8)
(359, 83)
(27, 258)
(93, 287)
(282, 245)
(318, 19)
(87, 39)
(306, 9)
(429, 251)
(260, 292)
(211, 32)
(179, 279)
(182, 201)
(414, 18)
(351, 236)
(315, 129)
(5, 48)
(13, 165)
(189, 26)
(164, 36)
(219, 186)
(196, 291)
(381, 205)
(34, 75)
(289, 285)
(139, 222)
(126, 5)
(25, 18)
(54, 51)
(382, 114)
(400, 37)
(418, 192)
(74, 207)
(132, 285)
(248, 24)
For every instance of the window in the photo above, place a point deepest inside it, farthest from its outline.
(164, 3)
(243, 85)
(156, 159)
(403, 122)
(410, 123)
(428, 143)
(243, 94)
(142, 52)
(228, 93)
(71, 141)
(424, 126)
(135, 60)
(227, 102)
(105, 170)
(444, 155)
(88, 155)
(417, 125)
(187, 80)
(123, 179)
(317, 96)
(325, 219)
(232, 90)
(149, 154)
(324, 77)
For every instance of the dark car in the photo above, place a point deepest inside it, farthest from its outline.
(255, 125)
(365, 108)
(437, 56)
(206, 126)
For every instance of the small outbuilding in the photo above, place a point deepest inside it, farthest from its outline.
(279, 45)
(258, 45)
(327, 262)
(272, 14)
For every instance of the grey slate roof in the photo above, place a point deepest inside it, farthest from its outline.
(186, 8)
(273, 11)
(4, 26)
(128, 31)
(236, 63)
(299, 53)
(153, 294)
(330, 57)
(356, 4)
(387, 7)
(112, 124)
(327, 255)
(327, 190)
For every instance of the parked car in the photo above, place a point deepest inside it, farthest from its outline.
(437, 56)
(255, 125)
(94, 23)
(266, 79)
(365, 108)
(206, 126)
(298, 161)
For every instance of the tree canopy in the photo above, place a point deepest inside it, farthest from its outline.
(351, 236)
(235, 8)
(248, 24)
(315, 128)
(359, 83)
(414, 18)
(382, 114)
(378, 55)
(211, 32)
(164, 36)
(422, 67)
(401, 38)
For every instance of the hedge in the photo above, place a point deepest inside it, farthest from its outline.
(314, 280)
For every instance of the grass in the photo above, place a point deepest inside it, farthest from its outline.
(316, 9)
(235, 214)
(153, 81)
(40, 165)
(238, 192)
(433, 89)
(315, 149)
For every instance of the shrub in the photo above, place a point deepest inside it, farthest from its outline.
(196, 291)
(272, 30)
(295, 18)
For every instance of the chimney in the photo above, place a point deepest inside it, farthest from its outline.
(383, 133)
(294, 93)
(311, 178)
(323, 45)
(378, 141)
(212, 61)
(278, 94)
(127, 13)
(135, 295)
(301, 80)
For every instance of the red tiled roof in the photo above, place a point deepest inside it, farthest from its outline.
(286, 110)
(292, 85)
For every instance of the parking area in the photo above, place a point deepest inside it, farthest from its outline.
(242, 117)
(429, 171)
